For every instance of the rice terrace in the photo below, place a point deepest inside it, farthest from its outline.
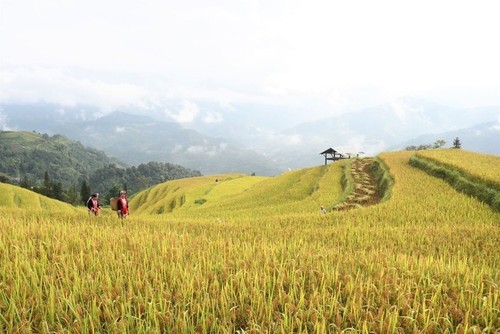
(410, 243)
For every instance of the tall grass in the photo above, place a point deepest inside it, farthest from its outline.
(483, 168)
(303, 190)
(425, 261)
(485, 190)
(16, 197)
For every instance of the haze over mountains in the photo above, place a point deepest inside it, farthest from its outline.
(235, 143)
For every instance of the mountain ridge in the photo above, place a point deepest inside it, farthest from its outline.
(233, 143)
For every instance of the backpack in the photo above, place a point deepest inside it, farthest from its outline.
(113, 202)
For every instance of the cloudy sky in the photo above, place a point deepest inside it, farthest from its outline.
(313, 59)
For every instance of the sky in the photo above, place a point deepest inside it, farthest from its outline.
(305, 59)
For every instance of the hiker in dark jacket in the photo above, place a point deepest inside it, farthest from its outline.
(93, 204)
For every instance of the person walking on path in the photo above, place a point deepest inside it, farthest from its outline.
(93, 204)
(122, 205)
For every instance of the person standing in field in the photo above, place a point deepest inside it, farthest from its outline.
(122, 205)
(93, 204)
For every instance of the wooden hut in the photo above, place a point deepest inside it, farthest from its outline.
(332, 155)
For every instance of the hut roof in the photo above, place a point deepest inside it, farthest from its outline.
(330, 150)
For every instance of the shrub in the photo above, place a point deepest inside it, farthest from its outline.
(199, 201)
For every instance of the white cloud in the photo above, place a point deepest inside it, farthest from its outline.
(120, 129)
(285, 140)
(3, 123)
(55, 85)
(177, 148)
(497, 125)
(213, 117)
(322, 56)
(207, 149)
(223, 146)
(187, 113)
(295, 139)
(196, 149)
(402, 110)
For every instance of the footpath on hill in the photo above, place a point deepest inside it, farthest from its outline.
(365, 186)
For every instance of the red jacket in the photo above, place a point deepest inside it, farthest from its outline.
(122, 205)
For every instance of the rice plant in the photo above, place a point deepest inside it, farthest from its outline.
(258, 260)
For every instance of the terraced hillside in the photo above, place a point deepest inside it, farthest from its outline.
(189, 193)
(477, 175)
(481, 166)
(301, 191)
(247, 254)
(20, 198)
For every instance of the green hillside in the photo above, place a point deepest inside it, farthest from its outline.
(30, 154)
(25, 157)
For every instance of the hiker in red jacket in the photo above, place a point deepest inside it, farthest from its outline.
(93, 204)
(122, 205)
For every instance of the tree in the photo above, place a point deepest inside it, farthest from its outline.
(112, 192)
(25, 182)
(72, 195)
(57, 191)
(424, 147)
(457, 143)
(4, 178)
(46, 185)
(439, 143)
(84, 191)
(143, 182)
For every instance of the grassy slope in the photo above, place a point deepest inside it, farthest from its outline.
(17, 197)
(19, 139)
(173, 195)
(418, 198)
(293, 192)
(303, 191)
(481, 166)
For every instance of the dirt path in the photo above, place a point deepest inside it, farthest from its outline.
(365, 186)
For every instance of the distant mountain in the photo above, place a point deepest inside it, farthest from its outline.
(482, 138)
(374, 130)
(243, 139)
(139, 139)
(42, 117)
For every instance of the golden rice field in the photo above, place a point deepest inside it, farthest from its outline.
(256, 256)
(20, 198)
(481, 166)
(301, 191)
